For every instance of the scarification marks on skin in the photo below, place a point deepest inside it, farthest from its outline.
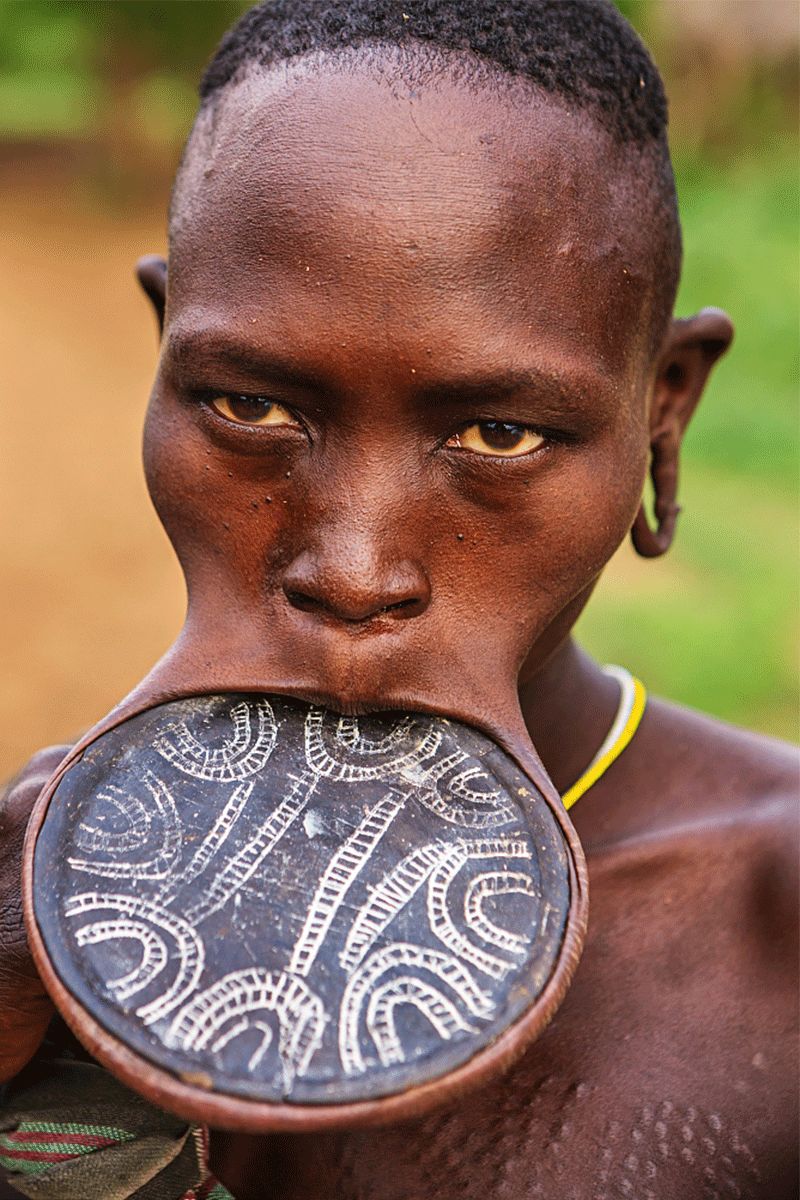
(669, 1142)
(525, 1140)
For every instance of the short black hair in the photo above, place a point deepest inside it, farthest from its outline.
(582, 52)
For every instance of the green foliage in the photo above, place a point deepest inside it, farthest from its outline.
(63, 63)
(714, 625)
(740, 236)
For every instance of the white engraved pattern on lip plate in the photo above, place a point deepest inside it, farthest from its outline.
(340, 872)
(211, 844)
(294, 949)
(241, 755)
(474, 807)
(439, 915)
(445, 969)
(387, 898)
(154, 952)
(440, 1011)
(186, 946)
(496, 883)
(219, 1010)
(166, 821)
(337, 757)
(138, 818)
(239, 869)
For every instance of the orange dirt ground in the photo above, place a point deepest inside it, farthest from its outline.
(91, 594)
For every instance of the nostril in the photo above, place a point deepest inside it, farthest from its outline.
(345, 589)
(356, 610)
(409, 607)
(304, 602)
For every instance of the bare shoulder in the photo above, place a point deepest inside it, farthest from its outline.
(717, 762)
(701, 822)
(688, 774)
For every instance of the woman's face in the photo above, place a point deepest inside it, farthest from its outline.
(400, 418)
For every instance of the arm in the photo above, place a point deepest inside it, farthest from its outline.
(25, 1008)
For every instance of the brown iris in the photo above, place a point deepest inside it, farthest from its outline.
(252, 410)
(498, 439)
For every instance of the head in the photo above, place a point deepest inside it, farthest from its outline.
(417, 351)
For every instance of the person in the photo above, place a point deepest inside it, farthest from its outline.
(423, 260)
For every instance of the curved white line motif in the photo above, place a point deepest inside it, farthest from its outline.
(328, 755)
(138, 817)
(432, 772)
(157, 867)
(348, 733)
(387, 898)
(246, 994)
(244, 1026)
(433, 1004)
(482, 817)
(211, 843)
(239, 869)
(240, 756)
(463, 785)
(154, 952)
(444, 967)
(187, 945)
(458, 800)
(441, 922)
(351, 857)
(496, 883)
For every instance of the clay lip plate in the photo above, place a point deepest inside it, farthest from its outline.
(278, 904)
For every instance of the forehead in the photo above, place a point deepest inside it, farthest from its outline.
(434, 210)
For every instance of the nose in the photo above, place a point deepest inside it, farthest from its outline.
(352, 584)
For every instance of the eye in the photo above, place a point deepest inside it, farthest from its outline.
(497, 439)
(253, 410)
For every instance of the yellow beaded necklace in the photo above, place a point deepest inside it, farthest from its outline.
(632, 701)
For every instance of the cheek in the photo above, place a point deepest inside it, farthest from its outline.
(525, 559)
(208, 501)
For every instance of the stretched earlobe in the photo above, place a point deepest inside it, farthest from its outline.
(648, 542)
(691, 347)
(151, 271)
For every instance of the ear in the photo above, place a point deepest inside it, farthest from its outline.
(689, 351)
(151, 271)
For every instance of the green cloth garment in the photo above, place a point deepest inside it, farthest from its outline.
(73, 1132)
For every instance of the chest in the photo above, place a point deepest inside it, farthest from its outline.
(660, 1077)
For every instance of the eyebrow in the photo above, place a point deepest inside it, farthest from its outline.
(214, 345)
(570, 382)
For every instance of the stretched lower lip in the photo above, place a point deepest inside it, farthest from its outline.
(345, 708)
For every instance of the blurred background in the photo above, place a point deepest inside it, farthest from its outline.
(95, 99)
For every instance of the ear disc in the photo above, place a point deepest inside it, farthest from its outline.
(265, 915)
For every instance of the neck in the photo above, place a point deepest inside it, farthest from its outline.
(568, 706)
